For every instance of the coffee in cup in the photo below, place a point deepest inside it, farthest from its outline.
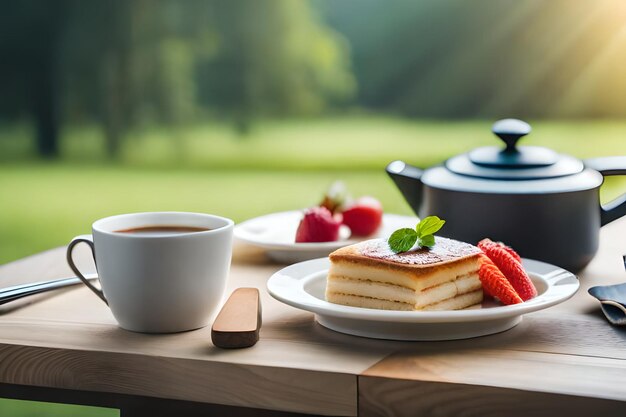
(162, 230)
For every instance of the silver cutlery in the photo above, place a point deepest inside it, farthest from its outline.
(20, 291)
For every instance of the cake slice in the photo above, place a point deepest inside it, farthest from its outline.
(370, 275)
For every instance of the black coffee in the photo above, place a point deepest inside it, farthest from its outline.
(162, 230)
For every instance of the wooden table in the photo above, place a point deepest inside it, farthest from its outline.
(66, 347)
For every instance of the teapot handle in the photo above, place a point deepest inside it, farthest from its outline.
(608, 166)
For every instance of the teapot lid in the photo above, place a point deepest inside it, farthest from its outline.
(514, 162)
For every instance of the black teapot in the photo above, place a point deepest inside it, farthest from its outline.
(543, 204)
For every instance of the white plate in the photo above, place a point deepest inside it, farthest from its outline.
(303, 285)
(276, 234)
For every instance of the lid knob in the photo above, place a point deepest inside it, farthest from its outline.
(510, 131)
(514, 162)
(513, 156)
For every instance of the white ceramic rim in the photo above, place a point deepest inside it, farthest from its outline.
(217, 224)
(288, 286)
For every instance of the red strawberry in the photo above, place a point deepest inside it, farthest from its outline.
(495, 283)
(318, 225)
(509, 249)
(364, 216)
(510, 267)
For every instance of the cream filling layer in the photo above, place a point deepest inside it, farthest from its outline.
(399, 294)
(440, 275)
(459, 302)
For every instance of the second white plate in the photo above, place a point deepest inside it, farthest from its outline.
(276, 233)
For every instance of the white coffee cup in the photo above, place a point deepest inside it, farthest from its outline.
(160, 283)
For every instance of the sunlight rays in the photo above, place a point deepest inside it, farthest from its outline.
(505, 22)
(609, 63)
(549, 43)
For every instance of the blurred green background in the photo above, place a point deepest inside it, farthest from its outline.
(246, 107)
(20, 408)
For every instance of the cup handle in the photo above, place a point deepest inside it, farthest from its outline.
(88, 239)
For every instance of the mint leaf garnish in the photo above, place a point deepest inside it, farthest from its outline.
(429, 226)
(402, 240)
(428, 241)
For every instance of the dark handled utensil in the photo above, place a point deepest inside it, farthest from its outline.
(613, 300)
(20, 291)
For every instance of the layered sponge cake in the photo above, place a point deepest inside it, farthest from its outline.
(370, 275)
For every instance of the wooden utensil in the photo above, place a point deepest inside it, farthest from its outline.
(238, 323)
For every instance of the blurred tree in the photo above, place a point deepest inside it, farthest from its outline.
(123, 66)
(126, 63)
(30, 34)
(273, 59)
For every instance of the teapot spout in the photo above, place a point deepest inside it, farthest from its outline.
(409, 180)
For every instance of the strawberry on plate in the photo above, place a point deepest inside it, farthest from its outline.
(318, 225)
(486, 242)
(495, 283)
(364, 216)
(509, 262)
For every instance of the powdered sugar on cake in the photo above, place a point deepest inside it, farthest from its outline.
(443, 250)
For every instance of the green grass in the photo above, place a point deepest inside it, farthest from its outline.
(19, 408)
(355, 142)
(51, 203)
(280, 166)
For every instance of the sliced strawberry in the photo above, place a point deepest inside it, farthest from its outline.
(510, 267)
(318, 225)
(364, 216)
(495, 283)
(510, 251)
